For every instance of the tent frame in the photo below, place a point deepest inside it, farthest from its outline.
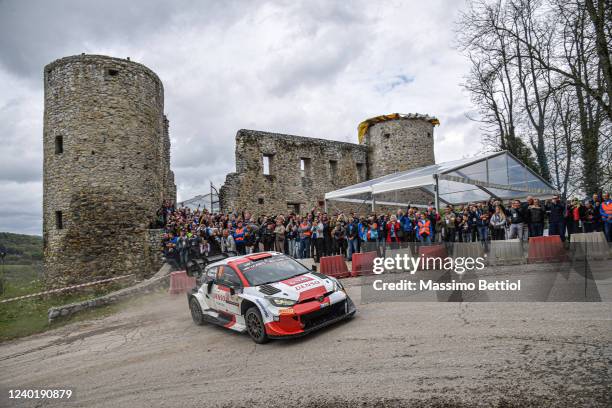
(395, 182)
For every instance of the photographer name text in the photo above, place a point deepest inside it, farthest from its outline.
(430, 285)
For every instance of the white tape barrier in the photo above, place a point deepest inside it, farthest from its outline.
(66, 288)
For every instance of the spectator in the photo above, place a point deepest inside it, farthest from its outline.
(536, 219)
(319, 238)
(352, 236)
(239, 238)
(575, 217)
(279, 236)
(449, 225)
(406, 227)
(473, 218)
(362, 228)
(516, 220)
(227, 242)
(305, 232)
(182, 245)
(597, 221)
(424, 229)
(393, 228)
(556, 219)
(498, 224)
(339, 235)
(526, 214)
(589, 219)
(483, 225)
(292, 241)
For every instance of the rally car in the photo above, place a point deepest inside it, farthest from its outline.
(269, 295)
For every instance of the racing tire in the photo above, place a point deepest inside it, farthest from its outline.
(196, 311)
(255, 326)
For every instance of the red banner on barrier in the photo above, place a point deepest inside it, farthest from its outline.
(334, 266)
(363, 264)
(433, 252)
(181, 283)
(546, 249)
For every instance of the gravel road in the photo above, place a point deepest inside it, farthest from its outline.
(395, 354)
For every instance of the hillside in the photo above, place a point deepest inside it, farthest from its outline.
(21, 249)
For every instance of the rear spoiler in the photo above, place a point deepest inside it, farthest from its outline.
(217, 257)
(195, 267)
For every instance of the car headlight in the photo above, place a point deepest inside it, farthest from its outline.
(281, 302)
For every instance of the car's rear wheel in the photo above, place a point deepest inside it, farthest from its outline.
(255, 326)
(196, 311)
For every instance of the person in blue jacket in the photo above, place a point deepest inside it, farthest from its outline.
(406, 226)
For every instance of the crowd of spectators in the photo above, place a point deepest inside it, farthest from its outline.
(317, 233)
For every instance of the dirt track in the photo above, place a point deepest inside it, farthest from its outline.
(390, 354)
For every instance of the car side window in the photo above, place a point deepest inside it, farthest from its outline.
(227, 276)
(211, 273)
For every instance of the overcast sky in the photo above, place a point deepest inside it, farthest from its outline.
(312, 68)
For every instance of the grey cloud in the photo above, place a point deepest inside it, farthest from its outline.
(312, 68)
(34, 33)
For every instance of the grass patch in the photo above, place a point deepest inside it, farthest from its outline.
(28, 316)
(21, 280)
(21, 249)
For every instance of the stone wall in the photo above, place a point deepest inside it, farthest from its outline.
(106, 166)
(329, 165)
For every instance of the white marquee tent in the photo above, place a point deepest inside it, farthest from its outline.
(497, 174)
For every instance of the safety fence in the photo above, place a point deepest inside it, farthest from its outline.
(64, 289)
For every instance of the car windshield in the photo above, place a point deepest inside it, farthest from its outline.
(273, 269)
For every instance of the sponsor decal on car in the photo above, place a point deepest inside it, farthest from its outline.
(306, 285)
(297, 280)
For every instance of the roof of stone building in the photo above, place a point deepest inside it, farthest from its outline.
(363, 127)
(296, 138)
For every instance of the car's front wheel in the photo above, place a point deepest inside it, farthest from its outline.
(255, 326)
(196, 311)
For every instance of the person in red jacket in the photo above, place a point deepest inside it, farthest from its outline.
(393, 227)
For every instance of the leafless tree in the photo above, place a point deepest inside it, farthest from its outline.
(540, 78)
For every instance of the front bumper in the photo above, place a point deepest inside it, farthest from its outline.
(310, 322)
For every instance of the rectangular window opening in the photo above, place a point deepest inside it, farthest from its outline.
(267, 164)
(59, 222)
(333, 169)
(305, 167)
(113, 72)
(360, 172)
(59, 144)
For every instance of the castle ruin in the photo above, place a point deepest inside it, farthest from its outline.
(277, 173)
(106, 168)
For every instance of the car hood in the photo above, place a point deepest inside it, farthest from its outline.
(303, 288)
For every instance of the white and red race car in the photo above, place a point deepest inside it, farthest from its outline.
(269, 295)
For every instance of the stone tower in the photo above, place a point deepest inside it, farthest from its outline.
(398, 142)
(106, 167)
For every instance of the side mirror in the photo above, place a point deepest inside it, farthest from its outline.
(314, 268)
